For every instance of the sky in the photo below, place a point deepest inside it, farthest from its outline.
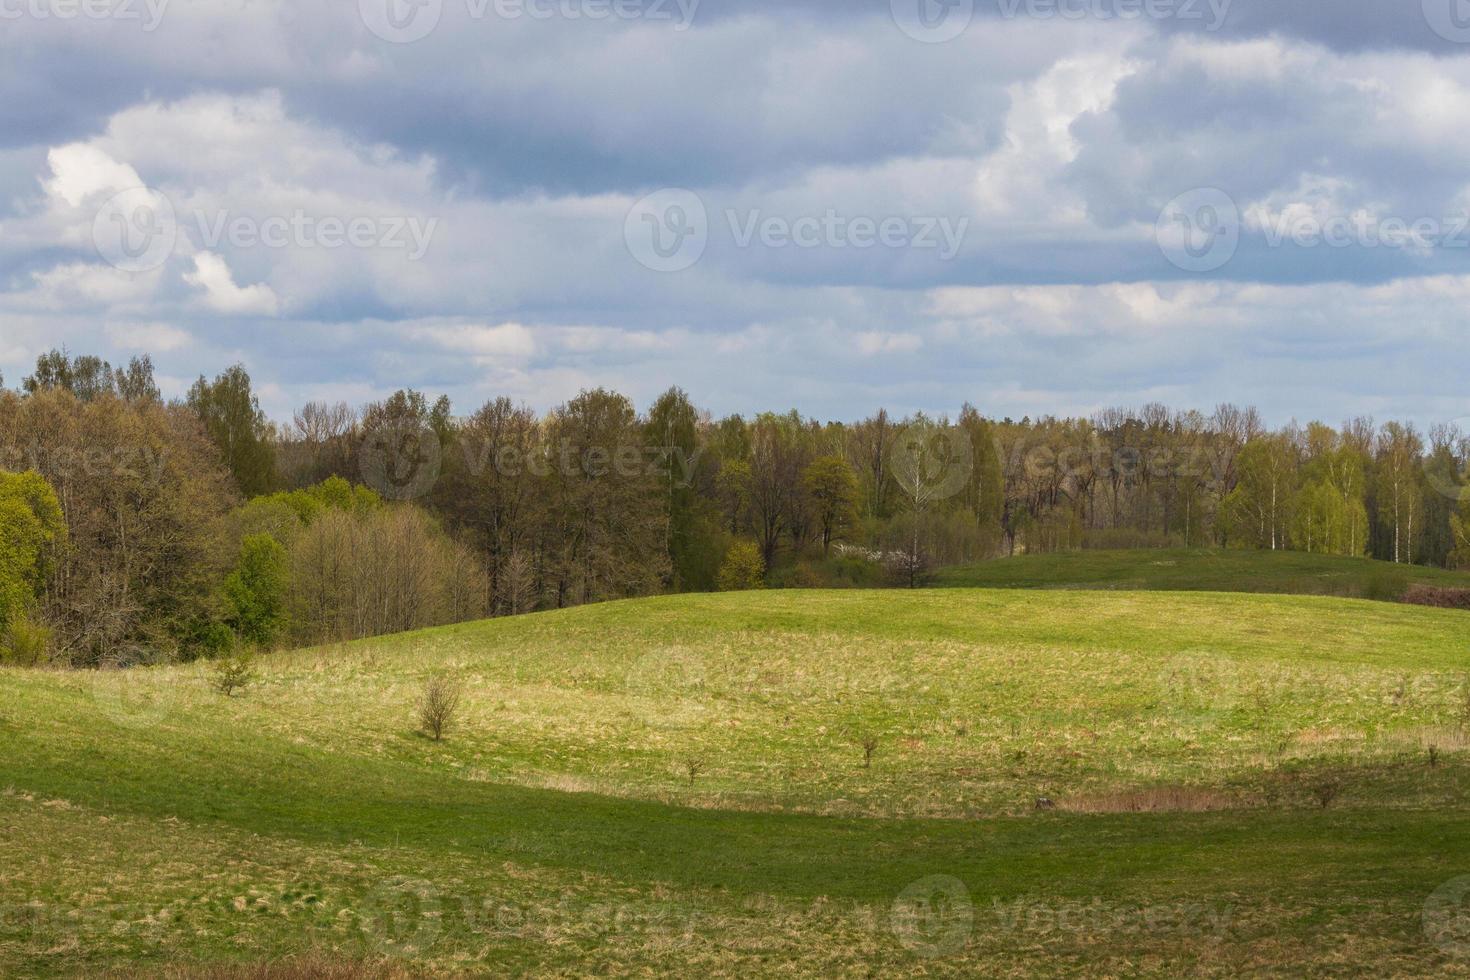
(1032, 206)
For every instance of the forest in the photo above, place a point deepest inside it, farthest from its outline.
(136, 530)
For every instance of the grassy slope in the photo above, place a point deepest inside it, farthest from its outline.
(146, 818)
(1202, 569)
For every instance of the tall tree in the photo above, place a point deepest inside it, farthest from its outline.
(32, 530)
(238, 428)
(1400, 479)
(832, 486)
(1258, 510)
(777, 458)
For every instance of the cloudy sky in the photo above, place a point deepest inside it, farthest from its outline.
(1031, 205)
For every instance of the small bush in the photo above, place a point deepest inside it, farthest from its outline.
(1326, 791)
(693, 767)
(870, 746)
(233, 673)
(25, 644)
(743, 568)
(1386, 585)
(1440, 598)
(437, 708)
(836, 572)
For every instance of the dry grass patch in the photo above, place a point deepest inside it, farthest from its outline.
(1157, 799)
(314, 967)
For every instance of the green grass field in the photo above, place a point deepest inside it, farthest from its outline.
(1239, 784)
(1203, 570)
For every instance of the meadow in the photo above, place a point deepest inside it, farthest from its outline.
(1204, 569)
(954, 781)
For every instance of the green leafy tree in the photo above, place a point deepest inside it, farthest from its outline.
(1257, 513)
(31, 530)
(1460, 534)
(88, 377)
(238, 428)
(1329, 515)
(1400, 490)
(695, 537)
(602, 504)
(255, 591)
(833, 488)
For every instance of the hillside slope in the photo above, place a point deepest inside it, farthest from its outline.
(1239, 783)
(1202, 569)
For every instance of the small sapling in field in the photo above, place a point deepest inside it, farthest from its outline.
(233, 673)
(436, 709)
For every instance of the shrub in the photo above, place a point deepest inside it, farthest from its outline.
(1326, 791)
(1386, 585)
(743, 568)
(233, 673)
(25, 644)
(438, 705)
(1441, 598)
(207, 638)
(841, 571)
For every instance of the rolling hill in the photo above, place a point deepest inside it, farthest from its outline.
(1139, 783)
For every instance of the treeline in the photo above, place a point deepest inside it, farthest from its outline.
(134, 530)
